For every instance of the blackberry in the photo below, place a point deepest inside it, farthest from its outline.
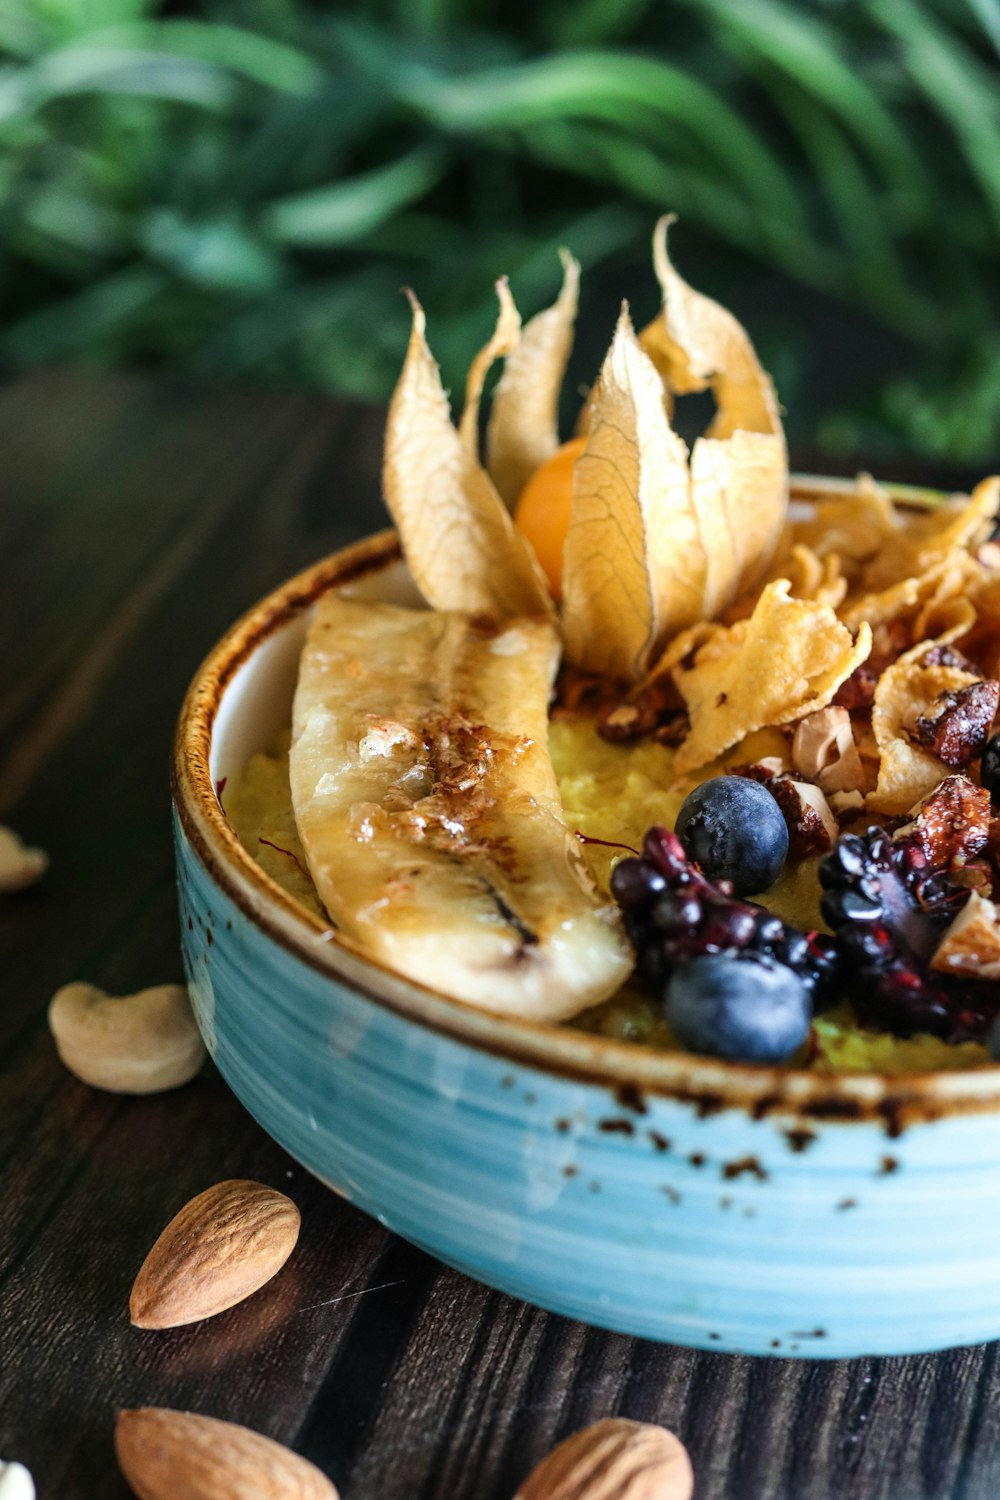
(888, 906)
(990, 769)
(673, 914)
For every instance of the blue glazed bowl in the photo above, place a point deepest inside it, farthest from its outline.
(748, 1209)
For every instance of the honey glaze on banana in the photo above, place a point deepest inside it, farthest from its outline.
(429, 812)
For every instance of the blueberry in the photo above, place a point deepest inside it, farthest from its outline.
(734, 829)
(990, 769)
(738, 1005)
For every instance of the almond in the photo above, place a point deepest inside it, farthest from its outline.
(222, 1246)
(613, 1460)
(137, 1044)
(174, 1455)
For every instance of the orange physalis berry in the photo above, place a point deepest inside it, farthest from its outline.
(543, 510)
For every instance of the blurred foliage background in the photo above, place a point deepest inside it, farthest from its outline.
(239, 188)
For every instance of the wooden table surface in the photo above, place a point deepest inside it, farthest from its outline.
(136, 521)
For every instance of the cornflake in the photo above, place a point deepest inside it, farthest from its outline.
(786, 661)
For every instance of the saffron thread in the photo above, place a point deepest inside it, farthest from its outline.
(586, 838)
(286, 852)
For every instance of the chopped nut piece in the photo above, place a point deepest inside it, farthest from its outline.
(673, 731)
(957, 724)
(844, 803)
(906, 690)
(627, 721)
(951, 824)
(859, 689)
(761, 770)
(812, 828)
(824, 750)
(971, 945)
(943, 655)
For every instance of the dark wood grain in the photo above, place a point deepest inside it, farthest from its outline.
(136, 521)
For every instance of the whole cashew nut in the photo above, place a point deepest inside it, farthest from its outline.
(140, 1044)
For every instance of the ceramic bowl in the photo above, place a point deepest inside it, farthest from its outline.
(717, 1205)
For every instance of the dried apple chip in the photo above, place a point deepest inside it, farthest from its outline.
(787, 660)
(460, 542)
(523, 429)
(905, 691)
(634, 562)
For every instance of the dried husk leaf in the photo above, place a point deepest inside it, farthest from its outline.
(698, 345)
(634, 563)
(523, 428)
(502, 343)
(460, 542)
(785, 661)
(176, 1455)
(613, 1460)
(701, 345)
(734, 484)
(906, 689)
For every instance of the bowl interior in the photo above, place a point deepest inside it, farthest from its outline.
(242, 698)
(256, 702)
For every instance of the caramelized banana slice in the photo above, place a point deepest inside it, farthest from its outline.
(429, 810)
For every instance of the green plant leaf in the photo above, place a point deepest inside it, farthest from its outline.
(955, 83)
(345, 210)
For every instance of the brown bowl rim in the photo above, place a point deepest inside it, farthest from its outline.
(628, 1069)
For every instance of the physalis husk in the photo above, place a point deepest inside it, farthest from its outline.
(523, 428)
(462, 547)
(659, 539)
